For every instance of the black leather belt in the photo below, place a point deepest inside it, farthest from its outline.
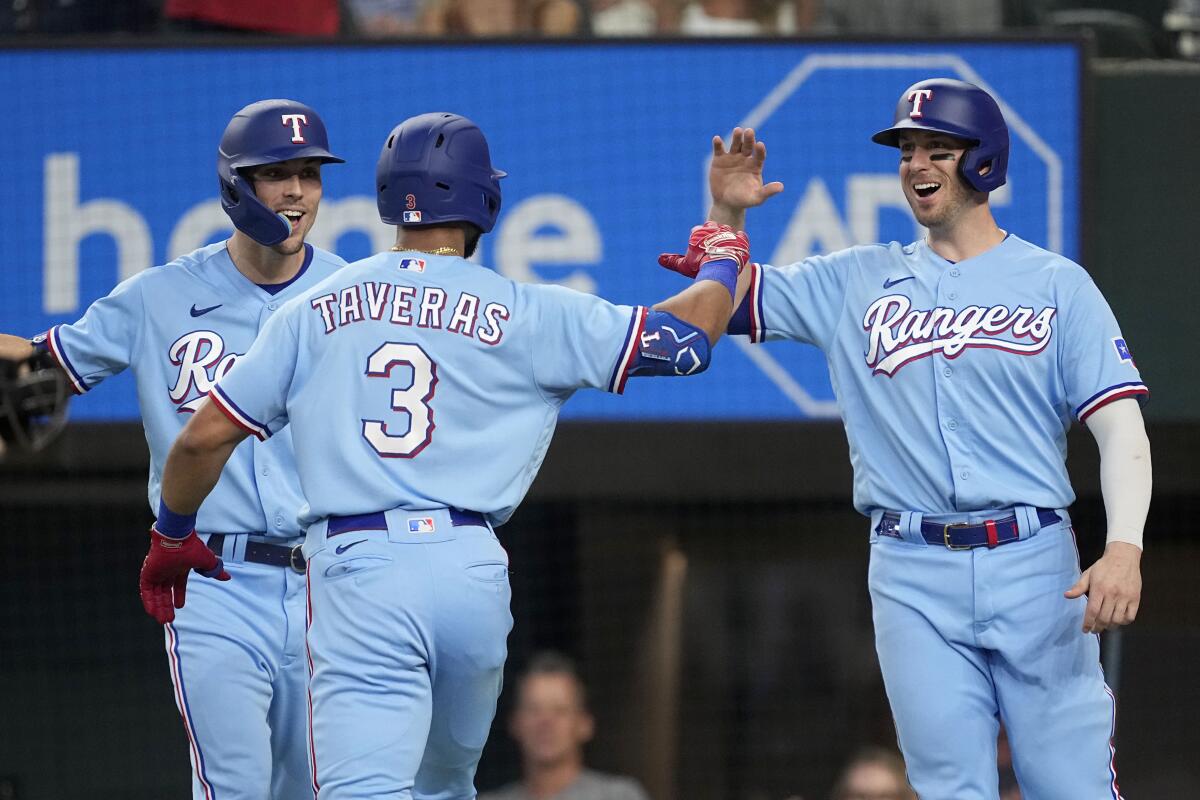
(377, 521)
(274, 555)
(964, 536)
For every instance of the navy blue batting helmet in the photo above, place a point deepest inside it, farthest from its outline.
(266, 132)
(962, 110)
(436, 168)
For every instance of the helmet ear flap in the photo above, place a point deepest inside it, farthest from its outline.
(249, 214)
(976, 159)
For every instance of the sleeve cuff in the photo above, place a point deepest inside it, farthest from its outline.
(629, 351)
(238, 417)
(1112, 393)
(747, 319)
(52, 342)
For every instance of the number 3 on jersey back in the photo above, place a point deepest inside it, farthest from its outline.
(413, 400)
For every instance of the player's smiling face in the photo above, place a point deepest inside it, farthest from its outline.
(935, 190)
(291, 188)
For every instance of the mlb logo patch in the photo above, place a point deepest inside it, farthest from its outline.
(412, 216)
(1122, 350)
(421, 525)
(413, 264)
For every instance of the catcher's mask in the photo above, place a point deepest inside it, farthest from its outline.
(33, 402)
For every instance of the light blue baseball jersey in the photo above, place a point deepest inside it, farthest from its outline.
(180, 327)
(957, 382)
(423, 381)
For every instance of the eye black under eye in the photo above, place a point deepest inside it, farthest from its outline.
(942, 157)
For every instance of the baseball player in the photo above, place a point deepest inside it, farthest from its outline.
(422, 392)
(236, 650)
(959, 362)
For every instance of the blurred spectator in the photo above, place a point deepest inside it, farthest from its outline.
(874, 774)
(385, 18)
(558, 18)
(911, 17)
(746, 17)
(624, 17)
(551, 724)
(471, 18)
(78, 16)
(1183, 19)
(296, 17)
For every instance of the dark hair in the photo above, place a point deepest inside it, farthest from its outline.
(552, 662)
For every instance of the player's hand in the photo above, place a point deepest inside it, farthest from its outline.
(1113, 586)
(709, 242)
(735, 175)
(163, 581)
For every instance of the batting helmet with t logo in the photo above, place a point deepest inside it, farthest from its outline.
(266, 132)
(962, 110)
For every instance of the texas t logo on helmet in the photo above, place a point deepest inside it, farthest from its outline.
(917, 97)
(295, 120)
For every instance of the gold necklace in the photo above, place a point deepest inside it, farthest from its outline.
(437, 251)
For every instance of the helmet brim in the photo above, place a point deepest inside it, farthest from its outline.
(291, 154)
(890, 137)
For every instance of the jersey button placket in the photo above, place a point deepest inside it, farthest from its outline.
(946, 391)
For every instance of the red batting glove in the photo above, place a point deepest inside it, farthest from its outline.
(709, 242)
(163, 580)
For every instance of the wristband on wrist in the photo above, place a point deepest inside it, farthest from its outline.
(172, 525)
(724, 271)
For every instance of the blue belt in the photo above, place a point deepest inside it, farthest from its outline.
(964, 536)
(274, 555)
(377, 521)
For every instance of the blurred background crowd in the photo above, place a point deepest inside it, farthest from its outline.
(1121, 28)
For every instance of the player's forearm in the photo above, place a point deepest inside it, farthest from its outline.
(15, 348)
(1126, 478)
(196, 459)
(191, 473)
(704, 304)
(728, 215)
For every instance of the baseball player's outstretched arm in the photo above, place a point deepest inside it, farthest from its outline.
(1114, 583)
(705, 304)
(735, 178)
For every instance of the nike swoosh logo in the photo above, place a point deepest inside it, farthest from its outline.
(200, 312)
(341, 548)
(887, 284)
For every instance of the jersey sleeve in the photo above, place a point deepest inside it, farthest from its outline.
(800, 302)
(254, 393)
(582, 340)
(105, 339)
(1097, 364)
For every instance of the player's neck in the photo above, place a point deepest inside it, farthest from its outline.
(547, 780)
(442, 241)
(262, 264)
(972, 234)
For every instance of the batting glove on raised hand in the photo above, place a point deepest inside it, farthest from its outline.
(163, 581)
(709, 242)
